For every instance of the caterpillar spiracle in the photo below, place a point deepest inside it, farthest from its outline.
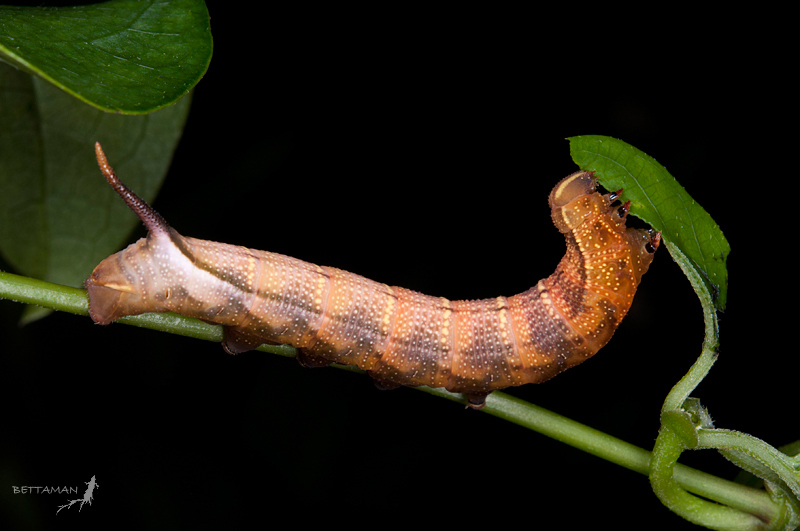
(400, 337)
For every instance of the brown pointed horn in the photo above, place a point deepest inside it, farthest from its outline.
(151, 219)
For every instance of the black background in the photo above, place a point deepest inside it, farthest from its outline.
(418, 149)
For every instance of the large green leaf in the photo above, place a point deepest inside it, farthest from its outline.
(657, 198)
(58, 218)
(128, 56)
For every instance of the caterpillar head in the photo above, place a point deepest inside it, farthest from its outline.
(574, 199)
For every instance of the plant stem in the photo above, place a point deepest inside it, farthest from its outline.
(73, 300)
(604, 446)
(667, 449)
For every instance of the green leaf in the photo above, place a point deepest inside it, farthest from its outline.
(58, 217)
(657, 198)
(125, 56)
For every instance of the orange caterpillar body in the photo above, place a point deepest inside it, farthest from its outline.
(400, 337)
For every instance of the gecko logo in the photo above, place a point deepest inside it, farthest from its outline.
(87, 496)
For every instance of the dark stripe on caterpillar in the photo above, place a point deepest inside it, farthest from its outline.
(400, 337)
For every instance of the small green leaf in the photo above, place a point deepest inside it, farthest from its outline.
(58, 217)
(125, 56)
(657, 198)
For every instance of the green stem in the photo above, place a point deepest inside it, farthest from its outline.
(740, 513)
(681, 391)
(756, 456)
(73, 300)
(31, 291)
(667, 449)
(624, 454)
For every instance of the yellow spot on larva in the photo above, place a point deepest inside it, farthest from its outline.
(120, 287)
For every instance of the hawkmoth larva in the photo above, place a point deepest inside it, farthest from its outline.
(400, 337)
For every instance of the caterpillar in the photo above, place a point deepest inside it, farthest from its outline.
(398, 336)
